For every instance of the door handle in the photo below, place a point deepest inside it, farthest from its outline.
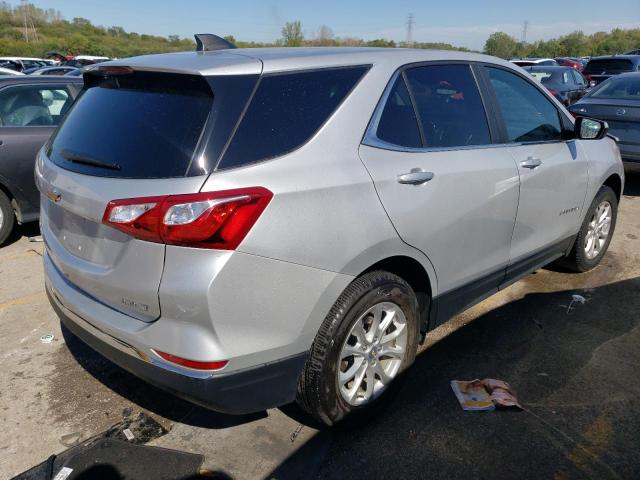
(416, 176)
(531, 163)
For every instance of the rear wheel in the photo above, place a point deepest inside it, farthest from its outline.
(595, 233)
(7, 218)
(368, 338)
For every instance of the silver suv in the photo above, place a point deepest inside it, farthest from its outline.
(250, 227)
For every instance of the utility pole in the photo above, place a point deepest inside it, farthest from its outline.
(410, 23)
(525, 27)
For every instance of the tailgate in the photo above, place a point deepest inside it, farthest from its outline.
(110, 266)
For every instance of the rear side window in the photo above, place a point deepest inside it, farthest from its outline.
(610, 66)
(137, 125)
(286, 111)
(33, 105)
(398, 124)
(449, 106)
(528, 115)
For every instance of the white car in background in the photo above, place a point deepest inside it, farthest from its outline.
(534, 62)
(8, 71)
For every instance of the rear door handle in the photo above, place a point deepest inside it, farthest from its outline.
(416, 176)
(531, 163)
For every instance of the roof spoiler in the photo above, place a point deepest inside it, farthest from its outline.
(207, 42)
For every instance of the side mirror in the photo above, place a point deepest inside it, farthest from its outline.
(590, 128)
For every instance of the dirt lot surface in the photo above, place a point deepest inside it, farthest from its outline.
(576, 371)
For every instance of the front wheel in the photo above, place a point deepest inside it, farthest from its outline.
(595, 233)
(366, 341)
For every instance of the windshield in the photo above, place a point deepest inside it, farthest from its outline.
(625, 88)
(542, 77)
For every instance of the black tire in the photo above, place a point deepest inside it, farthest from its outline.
(8, 218)
(577, 260)
(318, 391)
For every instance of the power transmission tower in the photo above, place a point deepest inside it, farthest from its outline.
(525, 27)
(410, 23)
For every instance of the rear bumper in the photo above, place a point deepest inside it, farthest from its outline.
(242, 392)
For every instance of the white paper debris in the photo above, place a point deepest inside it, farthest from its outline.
(129, 434)
(63, 474)
(47, 338)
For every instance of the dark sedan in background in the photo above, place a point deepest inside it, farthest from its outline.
(600, 68)
(30, 109)
(617, 100)
(565, 83)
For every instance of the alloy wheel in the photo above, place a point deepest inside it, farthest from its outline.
(598, 230)
(372, 353)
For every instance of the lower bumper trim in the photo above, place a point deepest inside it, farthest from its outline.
(244, 392)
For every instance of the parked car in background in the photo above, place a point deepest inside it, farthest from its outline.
(617, 100)
(570, 62)
(300, 242)
(22, 63)
(530, 62)
(600, 68)
(9, 71)
(565, 83)
(633, 52)
(30, 109)
(57, 70)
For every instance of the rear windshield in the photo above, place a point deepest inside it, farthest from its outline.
(137, 125)
(286, 111)
(610, 66)
(621, 88)
(541, 76)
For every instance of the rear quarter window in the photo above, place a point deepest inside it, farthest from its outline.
(286, 110)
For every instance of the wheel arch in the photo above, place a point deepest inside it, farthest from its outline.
(614, 182)
(416, 275)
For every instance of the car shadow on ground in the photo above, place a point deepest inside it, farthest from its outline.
(575, 371)
(145, 395)
(632, 184)
(31, 229)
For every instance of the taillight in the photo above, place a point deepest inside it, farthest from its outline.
(218, 220)
(553, 92)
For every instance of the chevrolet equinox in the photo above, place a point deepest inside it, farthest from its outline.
(249, 227)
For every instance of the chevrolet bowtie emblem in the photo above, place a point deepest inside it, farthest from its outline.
(54, 196)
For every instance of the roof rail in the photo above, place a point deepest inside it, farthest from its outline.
(206, 42)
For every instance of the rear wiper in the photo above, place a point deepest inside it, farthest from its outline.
(87, 160)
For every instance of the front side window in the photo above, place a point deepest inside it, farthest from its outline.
(529, 116)
(449, 106)
(286, 111)
(33, 105)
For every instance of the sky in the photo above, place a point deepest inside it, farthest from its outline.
(465, 23)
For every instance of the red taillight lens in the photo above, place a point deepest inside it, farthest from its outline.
(552, 92)
(192, 363)
(206, 220)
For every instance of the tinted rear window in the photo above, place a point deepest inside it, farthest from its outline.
(608, 66)
(286, 111)
(145, 125)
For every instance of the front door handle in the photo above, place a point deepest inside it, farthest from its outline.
(416, 176)
(531, 163)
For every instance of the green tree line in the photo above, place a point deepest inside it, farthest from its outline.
(27, 30)
(575, 44)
